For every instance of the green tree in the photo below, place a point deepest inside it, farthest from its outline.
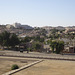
(53, 45)
(14, 40)
(27, 39)
(5, 39)
(53, 31)
(41, 39)
(59, 47)
(36, 46)
(37, 38)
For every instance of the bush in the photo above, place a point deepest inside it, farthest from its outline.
(36, 46)
(15, 66)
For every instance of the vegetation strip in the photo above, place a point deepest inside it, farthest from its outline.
(24, 67)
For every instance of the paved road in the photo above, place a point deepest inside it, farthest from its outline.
(36, 55)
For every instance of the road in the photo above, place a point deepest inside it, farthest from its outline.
(36, 55)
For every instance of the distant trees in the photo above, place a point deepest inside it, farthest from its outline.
(27, 39)
(7, 39)
(57, 46)
(11, 40)
(53, 45)
(4, 39)
(53, 31)
(54, 36)
(43, 32)
(36, 46)
(37, 38)
(14, 40)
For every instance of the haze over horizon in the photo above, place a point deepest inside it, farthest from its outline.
(38, 12)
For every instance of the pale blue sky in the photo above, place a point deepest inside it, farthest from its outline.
(38, 12)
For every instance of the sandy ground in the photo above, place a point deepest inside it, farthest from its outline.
(50, 67)
(7, 62)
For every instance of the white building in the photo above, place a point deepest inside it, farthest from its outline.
(17, 25)
(9, 26)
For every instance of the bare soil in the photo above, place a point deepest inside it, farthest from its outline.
(50, 67)
(7, 62)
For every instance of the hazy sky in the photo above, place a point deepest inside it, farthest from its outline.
(38, 12)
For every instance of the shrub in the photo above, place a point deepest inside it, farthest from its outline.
(15, 66)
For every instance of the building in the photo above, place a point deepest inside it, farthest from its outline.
(17, 25)
(70, 49)
(9, 26)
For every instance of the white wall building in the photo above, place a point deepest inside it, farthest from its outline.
(17, 25)
(9, 26)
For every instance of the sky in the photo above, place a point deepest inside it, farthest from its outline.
(38, 12)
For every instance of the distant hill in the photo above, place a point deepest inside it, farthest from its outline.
(26, 27)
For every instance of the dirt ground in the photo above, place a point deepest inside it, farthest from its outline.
(50, 67)
(7, 62)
